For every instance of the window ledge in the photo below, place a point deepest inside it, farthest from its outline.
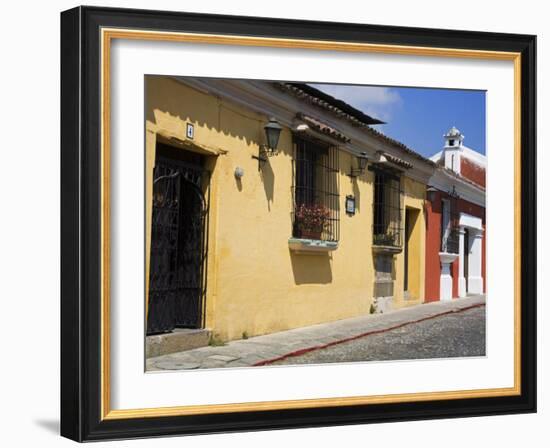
(311, 247)
(447, 257)
(386, 249)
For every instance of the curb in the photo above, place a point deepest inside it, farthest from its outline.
(303, 351)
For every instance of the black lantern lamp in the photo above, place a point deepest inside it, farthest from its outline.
(430, 193)
(272, 133)
(362, 160)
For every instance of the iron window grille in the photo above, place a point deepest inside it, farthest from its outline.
(387, 207)
(450, 224)
(315, 188)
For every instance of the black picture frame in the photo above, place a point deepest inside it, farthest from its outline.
(81, 224)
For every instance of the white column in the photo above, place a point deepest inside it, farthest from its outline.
(445, 283)
(461, 278)
(475, 280)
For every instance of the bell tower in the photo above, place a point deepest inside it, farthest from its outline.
(453, 149)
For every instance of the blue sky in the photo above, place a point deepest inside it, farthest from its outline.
(418, 117)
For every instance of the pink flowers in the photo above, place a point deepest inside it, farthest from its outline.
(312, 217)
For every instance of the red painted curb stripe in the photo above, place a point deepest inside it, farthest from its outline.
(303, 351)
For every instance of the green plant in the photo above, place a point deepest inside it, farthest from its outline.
(372, 309)
(385, 239)
(245, 335)
(215, 340)
(312, 217)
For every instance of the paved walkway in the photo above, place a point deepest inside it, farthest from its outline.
(267, 349)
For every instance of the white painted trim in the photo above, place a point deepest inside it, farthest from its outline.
(475, 157)
(436, 157)
(470, 221)
(311, 247)
(447, 258)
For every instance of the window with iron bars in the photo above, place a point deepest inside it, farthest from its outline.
(387, 210)
(449, 224)
(316, 211)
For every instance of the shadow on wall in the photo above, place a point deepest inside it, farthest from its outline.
(268, 177)
(356, 195)
(311, 269)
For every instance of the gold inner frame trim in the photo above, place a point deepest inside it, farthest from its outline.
(107, 35)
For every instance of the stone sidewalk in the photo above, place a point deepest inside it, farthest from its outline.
(263, 350)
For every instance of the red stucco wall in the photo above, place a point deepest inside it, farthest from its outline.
(454, 273)
(433, 241)
(472, 209)
(473, 172)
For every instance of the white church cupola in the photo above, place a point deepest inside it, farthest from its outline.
(453, 149)
(453, 138)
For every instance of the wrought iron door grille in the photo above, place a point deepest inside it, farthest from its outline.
(179, 246)
(315, 189)
(387, 207)
(450, 233)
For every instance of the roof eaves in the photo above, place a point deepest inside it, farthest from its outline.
(323, 128)
(327, 102)
(400, 145)
(344, 111)
(461, 178)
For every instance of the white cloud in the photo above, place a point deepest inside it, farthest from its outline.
(379, 102)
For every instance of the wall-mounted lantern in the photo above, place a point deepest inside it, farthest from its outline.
(453, 193)
(362, 160)
(272, 133)
(430, 193)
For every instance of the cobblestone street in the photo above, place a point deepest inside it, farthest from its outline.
(434, 330)
(451, 335)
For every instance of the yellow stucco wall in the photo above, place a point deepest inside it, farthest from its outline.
(256, 285)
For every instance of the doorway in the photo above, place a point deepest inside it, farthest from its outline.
(411, 253)
(177, 280)
(407, 250)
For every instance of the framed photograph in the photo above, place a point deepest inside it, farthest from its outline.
(272, 223)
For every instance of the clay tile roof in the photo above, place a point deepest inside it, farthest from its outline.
(346, 112)
(396, 160)
(322, 127)
(322, 100)
(400, 145)
(452, 173)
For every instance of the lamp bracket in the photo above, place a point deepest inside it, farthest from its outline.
(263, 154)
